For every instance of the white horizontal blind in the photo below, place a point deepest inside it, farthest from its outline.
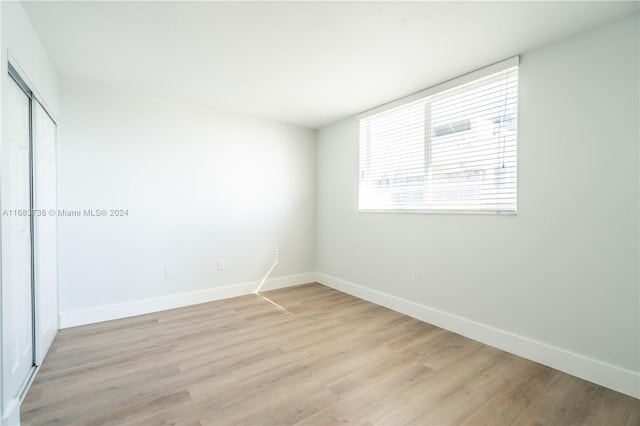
(451, 151)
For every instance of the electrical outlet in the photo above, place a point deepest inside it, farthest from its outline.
(221, 264)
(415, 277)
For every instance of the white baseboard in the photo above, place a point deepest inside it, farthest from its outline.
(145, 306)
(610, 376)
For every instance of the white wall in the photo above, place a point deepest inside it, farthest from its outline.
(198, 185)
(27, 54)
(559, 282)
(20, 43)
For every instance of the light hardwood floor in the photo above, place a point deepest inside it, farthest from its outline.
(327, 358)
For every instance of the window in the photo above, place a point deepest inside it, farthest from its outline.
(451, 148)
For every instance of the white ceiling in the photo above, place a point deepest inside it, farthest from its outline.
(307, 63)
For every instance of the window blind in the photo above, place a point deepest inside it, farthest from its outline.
(453, 150)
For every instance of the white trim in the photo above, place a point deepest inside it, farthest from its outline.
(610, 376)
(449, 84)
(145, 306)
(11, 416)
(35, 93)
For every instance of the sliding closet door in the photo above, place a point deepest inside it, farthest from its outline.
(45, 235)
(17, 308)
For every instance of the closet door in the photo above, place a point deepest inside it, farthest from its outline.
(17, 297)
(45, 231)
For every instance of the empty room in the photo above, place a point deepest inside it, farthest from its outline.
(319, 213)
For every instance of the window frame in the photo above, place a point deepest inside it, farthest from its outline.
(433, 92)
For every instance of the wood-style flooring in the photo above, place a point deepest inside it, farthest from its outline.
(319, 358)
